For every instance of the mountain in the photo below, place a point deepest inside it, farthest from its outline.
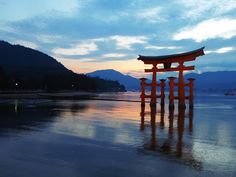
(26, 62)
(208, 81)
(129, 82)
(26, 68)
(214, 81)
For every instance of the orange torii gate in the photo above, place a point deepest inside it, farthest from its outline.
(164, 64)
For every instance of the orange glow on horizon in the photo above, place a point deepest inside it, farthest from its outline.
(131, 67)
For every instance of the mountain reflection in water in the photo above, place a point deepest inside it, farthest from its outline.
(19, 117)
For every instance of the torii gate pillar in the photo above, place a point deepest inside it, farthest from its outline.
(181, 93)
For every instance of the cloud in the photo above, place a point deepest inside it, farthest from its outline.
(48, 38)
(15, 10)
(61, 58)
(126, 42)
(79, 49)
(162, 47)
(209, 29)
(193, 9)
(114, 55)
(26, 44)
(87, 46)
(6, 28)
(152, 15)
(221, 50)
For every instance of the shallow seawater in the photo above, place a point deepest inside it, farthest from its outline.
(118, 139)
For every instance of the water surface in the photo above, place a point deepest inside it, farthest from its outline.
(107, 138)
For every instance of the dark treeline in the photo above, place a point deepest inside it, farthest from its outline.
(58, 82)
(23, 68)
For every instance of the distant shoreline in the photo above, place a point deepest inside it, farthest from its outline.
(44, 95)
(73, 95)
(39, 98)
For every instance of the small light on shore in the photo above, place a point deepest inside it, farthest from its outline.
(16, 84)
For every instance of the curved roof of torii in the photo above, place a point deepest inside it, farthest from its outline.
(187, 56)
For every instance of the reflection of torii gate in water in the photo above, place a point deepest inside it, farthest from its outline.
(166, 61)
(175, 141)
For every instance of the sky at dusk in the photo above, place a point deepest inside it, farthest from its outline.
(87, 35)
